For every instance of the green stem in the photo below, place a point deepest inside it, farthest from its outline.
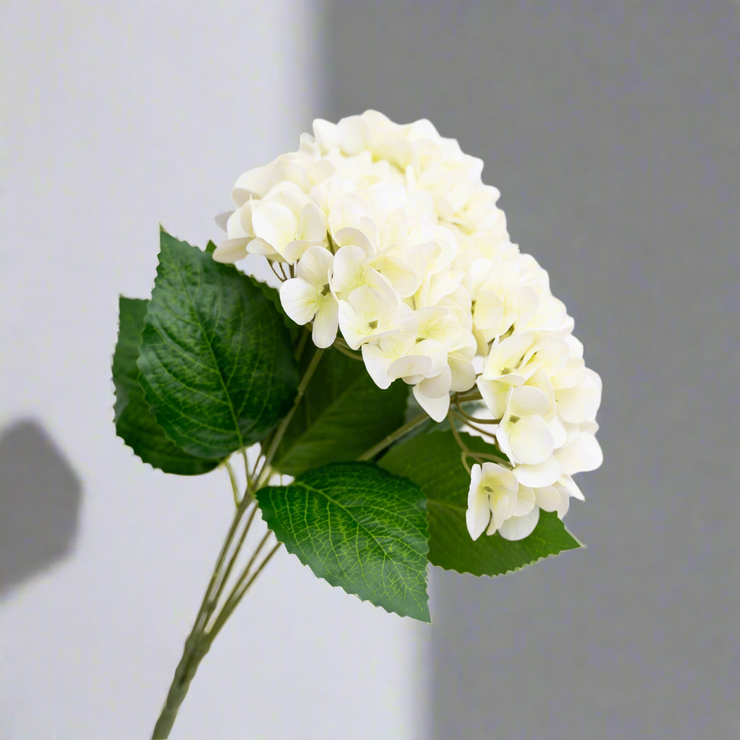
(196, 646)
(392, 437)
(232, 478)
(195, 651)
(200, 640)
(237, 596)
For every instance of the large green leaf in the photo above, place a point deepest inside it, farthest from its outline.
(342, 415)
(216, 361)
(358, 527)
(135, 423)
(432, 461)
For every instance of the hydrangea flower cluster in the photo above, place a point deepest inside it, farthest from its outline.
(386, 234)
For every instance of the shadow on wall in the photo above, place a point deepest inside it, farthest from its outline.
(40, 496)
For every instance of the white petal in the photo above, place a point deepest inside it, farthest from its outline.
(260, 246)
(349, 272)
(580, 402)
(402, 320)
(581, 456)
(311, 225)
(350, 236)
(564, 502)
(488, 311)
(297, 248)
(495, 395)
(525, 304)
(438, 386)
(530, 440)
(558, 431)
(475, 477)
(437, 408)
(276, 224)
(547, 498)
(463, 374)
(525, 501)
(477, 516)
(367, 303)
(541, 381)
(377, 364)
(326, 322)
(542, 474)
(402, 277)
(410, 365)
(440, 324)
(571, 487)
(500, 509)
(231, 250)
(526, 401)
(314, 266)
(299, 300)
(520, 527)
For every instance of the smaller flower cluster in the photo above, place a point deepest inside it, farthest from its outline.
(387, 234)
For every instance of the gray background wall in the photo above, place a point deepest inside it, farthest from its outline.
(611, 129)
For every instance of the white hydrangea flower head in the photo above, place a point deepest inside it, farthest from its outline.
(389, 243)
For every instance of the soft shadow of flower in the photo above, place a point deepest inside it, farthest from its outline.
(40, 496)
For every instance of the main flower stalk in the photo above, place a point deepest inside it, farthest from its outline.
(204, 631)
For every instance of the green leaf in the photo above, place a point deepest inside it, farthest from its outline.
(274, 296)
(216, 361)
(136, 425)
(432, 461)
(359, 528)
(342, 414)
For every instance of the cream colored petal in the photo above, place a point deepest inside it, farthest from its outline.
(410, 365)
(526, 401)
(326, 322)
(581, 456)
(542, 474)
(495, 395)
(231, 250)
(299, 300)
(349, 270)
(350, 236)
(578, 403)
(436, 407)
(488, 311)
(477, 516)
(314, 267)
(525, 501)
(571, 487)
(311, 225)
(377, 364)
(463, 374)
(564, 504)
(530, 440)
(276, 224)
(547, 498)
(519, 528)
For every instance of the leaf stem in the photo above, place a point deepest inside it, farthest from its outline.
(393, 436)
(345, 351)
(232, 478)
(235, 598)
